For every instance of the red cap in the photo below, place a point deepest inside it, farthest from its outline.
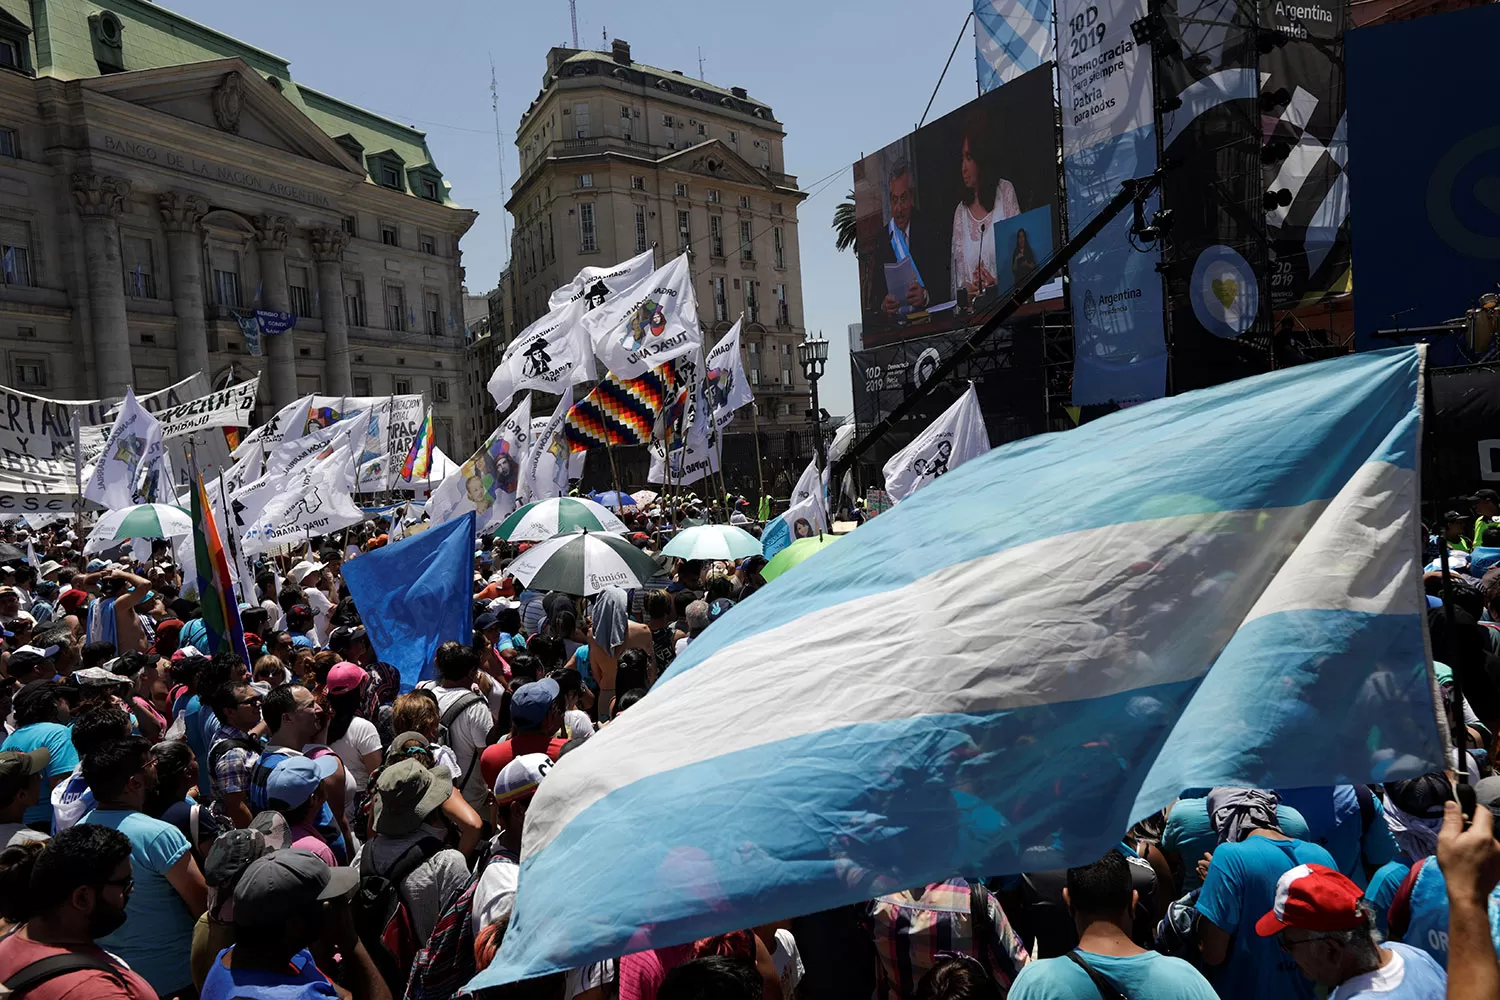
(1313, 898)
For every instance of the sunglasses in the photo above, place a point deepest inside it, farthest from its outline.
(126, 884)
(251, 701)
(1287, 946)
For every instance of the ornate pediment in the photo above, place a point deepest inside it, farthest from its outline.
(715, 159)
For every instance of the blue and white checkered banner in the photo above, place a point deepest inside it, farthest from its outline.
(1010, 38)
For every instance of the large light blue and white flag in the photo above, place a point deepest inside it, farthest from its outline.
(1011, 666)
(1010, 38)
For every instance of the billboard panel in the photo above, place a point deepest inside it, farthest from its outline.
(951, 216)
(1427, 243)
(1109, 136)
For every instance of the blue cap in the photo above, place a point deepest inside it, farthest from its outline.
(531, 702)
(294, 779)
(95, 565)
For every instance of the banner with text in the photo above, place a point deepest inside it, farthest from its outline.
(1108, 135)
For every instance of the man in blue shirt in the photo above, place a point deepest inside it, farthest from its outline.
(1320, 919)
(1348, 820)
(1102, 902)
(42, 716)
(1238, 889)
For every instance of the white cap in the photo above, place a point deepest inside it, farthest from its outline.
(305, 569)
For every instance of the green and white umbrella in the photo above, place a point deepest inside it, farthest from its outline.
(583, 563)
(795, 553)
(713, 541)
(538, 521)
(146, 520)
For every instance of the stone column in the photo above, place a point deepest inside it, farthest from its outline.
(270, 239)
(180, 215)
(328, 245)
(101, 200)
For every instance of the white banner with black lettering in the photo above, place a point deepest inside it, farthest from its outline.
(724, 380)
(649, 324)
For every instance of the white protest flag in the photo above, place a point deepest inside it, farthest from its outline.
(575, 463)
(649, 324)
(724, 380)
(309, 497)
(805, 516)
(690, 451)
(554, 353)
(598, 284)
(134, 442)
(487, 482)
(548, 464)
(948, 442)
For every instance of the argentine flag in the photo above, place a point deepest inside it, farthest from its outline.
(1010, 667)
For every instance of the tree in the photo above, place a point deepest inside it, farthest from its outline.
(843, 224)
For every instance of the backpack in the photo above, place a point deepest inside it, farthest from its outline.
(446, 963)
(381, 916)
(28, 977)
(460, 705)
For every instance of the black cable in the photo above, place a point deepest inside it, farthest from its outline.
(956, 42)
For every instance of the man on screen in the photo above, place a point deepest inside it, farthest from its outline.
(895, 246)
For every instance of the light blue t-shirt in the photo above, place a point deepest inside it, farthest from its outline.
(58, 739)
(1381, 891)
(157, 936)
(308, 982)
(1150, 975)
(1334, 821)
(1411, 974)
(1239, 890)
(1190, 833)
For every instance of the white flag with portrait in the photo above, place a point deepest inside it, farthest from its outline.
(948, 442)
(133, 449)
(549, 461)
(309, 497)
(649, 324)
(554, 353)
(724, 380)
(488, 481)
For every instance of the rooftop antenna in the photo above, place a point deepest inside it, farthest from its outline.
(499, 153)
(605, 32)
(573, 10)
(700, 62)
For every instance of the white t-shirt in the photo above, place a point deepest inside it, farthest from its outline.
(320, 605)
(360, 738)
(495, 895)
(577, 724)
(15, 834)
(591, 977)
(431, 884)
(788, 962)
(467, 736)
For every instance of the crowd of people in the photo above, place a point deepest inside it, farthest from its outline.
(182, 822)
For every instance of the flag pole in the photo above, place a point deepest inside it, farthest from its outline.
(760, 474)
(614, 473)
(78, 473)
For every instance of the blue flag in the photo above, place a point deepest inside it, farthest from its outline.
(415, 595)
(1010, 667)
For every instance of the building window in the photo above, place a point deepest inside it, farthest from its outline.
(427, 245)
(783, 311)
(391, 177)
(666, 121)
(587, 239)
(640, 229)
(744, 201)
(713, 196)
(299, 292)
(439, 391)
(10, 145)
(684, 230)
(351, 225)
(401, 386)
(747, 248)
(721, 301)
(361, 385)
(354, 303)
(432, 313)
(15, 253)
(227, 287)
(753, 363)
(734, 136)
(637, 182)
(680, 190)
(778, 247)
(31, 371)
(585, 180)
(775, 208)
(390, 235)
(580, 121)
(702, 129)
(430, 190)
(716, 235)
(752, 301)
(140, 275)
(624, 111)
(395, 308)
(10, 54)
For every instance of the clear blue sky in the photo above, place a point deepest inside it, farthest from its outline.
(843, 78)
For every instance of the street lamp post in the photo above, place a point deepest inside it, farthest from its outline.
(814, 356)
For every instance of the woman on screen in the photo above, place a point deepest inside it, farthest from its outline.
(1023, 260)
(987, 200)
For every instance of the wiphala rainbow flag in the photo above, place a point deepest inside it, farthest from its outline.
(620, 411)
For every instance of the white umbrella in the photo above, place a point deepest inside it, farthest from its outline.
(713, 541)
(645, 497)
(541, 520)
(144, 520)
(582, 563)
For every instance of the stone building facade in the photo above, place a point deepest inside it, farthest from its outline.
(616, 157)
(157, 178)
